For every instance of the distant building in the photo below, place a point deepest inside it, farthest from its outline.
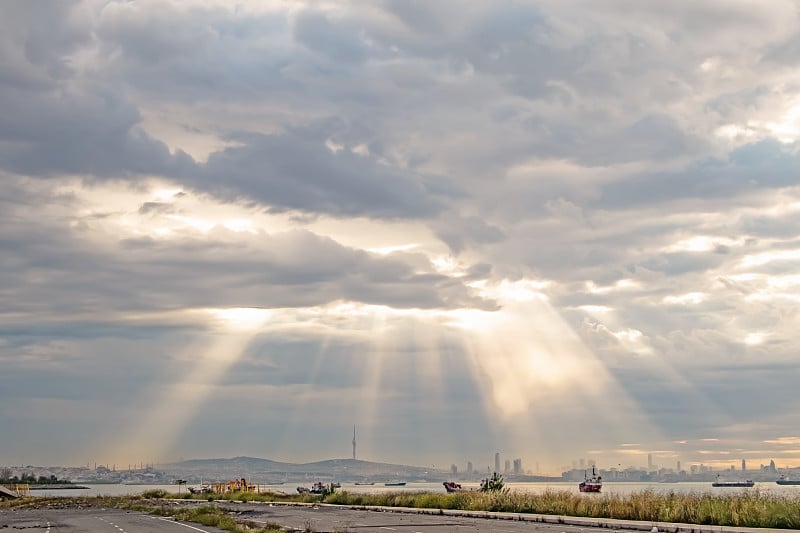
(453, 469)
(649, 461)
(678, 467)
(469, 467)
(744, 465)
(772, 466)
(507, 468)
(497, 462)
(517, 466)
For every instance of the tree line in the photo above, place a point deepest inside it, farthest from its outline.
(7, 477)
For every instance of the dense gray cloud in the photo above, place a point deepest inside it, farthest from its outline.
(51, 268)
(764, 165)
(419, 195)
(293, 171)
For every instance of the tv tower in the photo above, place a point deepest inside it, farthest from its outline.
(354, 442)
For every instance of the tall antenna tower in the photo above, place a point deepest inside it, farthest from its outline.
(354, 442)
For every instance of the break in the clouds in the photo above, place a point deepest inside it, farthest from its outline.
(535, 219)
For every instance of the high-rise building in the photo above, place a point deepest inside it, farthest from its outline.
(772, 465)
(649, 461)
(517, 466)
(453, 469)
(469, 467)
(507, 468)
(354, 442)
(744, 465)
(497, 462)
(678, 467)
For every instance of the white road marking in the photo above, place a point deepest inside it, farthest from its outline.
(184, 525)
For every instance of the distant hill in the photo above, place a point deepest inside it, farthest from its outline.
(261, 470)
(246, 462)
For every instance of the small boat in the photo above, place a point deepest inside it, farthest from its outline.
(202, 489)
(317, 488)
(783, 480)
(364, 482)
(591, 483)
(740, 483)
(395, 484)
(452, 486)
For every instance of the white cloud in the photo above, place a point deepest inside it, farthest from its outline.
(453, 205)
(686, 299)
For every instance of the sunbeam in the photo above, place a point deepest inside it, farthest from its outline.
(166, 412)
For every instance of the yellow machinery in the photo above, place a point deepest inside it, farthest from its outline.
(237, 485)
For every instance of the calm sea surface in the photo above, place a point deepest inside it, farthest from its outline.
(608, 488)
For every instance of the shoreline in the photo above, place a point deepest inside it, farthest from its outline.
(57, 486)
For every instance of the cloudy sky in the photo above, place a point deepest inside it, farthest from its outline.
(556, 230)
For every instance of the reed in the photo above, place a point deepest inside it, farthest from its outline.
(752, 508)
(745, 509)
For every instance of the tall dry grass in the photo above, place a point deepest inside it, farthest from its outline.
(744, 509)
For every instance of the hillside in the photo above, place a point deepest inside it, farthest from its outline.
(260, 470)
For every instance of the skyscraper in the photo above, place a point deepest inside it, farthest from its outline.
(649, 461)
(744, 465)
(497, 462)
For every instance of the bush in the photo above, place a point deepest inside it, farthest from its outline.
(493, 484)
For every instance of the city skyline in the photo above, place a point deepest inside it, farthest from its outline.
(550, 229)
(652, 464)
(511, 467)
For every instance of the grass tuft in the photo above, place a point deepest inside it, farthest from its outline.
(754, 508)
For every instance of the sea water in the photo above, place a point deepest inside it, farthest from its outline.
(620, 488)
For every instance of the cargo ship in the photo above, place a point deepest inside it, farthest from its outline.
(740, 483)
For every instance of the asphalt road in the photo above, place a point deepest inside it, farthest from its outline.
(317, 519)
(331, 519)
(326, 519)
(94, 521)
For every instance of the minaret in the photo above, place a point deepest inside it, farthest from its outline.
(354, 442)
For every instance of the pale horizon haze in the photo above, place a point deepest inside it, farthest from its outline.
(557, 230)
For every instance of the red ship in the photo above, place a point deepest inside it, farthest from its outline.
(452, 486)
(591, 483)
